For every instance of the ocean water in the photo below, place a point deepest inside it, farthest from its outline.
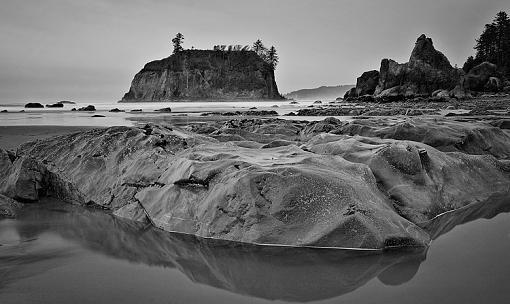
(65, 117)
(58, 253)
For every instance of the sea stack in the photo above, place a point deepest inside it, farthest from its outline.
(427, 71)
(204, 74)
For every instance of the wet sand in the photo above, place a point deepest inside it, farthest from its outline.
(13, 136)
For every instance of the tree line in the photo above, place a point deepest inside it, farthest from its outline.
(493, 45)
(269, 55)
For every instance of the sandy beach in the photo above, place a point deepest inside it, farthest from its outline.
(13, 136)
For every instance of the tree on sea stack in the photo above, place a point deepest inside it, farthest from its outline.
(260, 49)
(177, 42)
(272, 57)
(493, 45)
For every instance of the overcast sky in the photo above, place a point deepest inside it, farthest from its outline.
(90, 50)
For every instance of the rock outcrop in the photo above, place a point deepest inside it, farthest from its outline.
(428, 70)
(259, 181)
(9, 207)
(205, 74)
(34, 105)
(483, 77)
(428, 73)
(367, 83)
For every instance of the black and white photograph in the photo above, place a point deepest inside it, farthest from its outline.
(254, 151)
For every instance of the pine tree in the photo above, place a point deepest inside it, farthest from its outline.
(493, 45)
(272, 57)
(177, 43)
(260, 49)
(469, 64)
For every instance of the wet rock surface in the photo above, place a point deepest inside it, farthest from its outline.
(369, 183)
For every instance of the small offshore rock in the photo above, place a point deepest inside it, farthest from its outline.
(116, 110)
(55, 105)
(89, 108)
(34, 105)
(164, 110)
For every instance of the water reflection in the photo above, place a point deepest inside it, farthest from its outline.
(299, 275)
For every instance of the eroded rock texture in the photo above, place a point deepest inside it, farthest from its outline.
(204, 74)
(260, 181)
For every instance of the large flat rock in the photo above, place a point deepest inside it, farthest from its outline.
(308, 188)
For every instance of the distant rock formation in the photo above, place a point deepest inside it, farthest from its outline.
(204, 74)
(324, 92)
(428, 73)
(88, 108)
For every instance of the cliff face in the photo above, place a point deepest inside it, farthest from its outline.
(204, 74)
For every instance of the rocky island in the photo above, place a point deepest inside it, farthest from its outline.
(205, 74)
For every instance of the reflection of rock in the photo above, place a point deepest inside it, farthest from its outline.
(485, 209)
(275, 273)
(402, 271)
(289, 274)
(18, 263)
